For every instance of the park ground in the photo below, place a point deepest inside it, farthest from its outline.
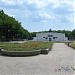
(59, 61)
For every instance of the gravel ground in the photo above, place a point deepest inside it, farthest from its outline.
(59, 61)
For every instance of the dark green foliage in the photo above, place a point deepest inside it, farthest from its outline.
(33, 34)
(11, 29)
(50, 30)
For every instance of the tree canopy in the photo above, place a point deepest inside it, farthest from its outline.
(11, 29)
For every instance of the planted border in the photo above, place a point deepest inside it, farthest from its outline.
(72, 45)
(24, 53)
(28, 48)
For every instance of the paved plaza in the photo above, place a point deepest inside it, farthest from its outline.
(59, 61)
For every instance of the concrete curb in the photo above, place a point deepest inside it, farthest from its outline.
(20, 53)
(44, 51)
(24, 53)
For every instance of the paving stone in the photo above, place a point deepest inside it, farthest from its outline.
(58, 62)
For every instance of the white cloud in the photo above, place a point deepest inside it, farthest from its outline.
(46, 16)
(70, 18)
(55, 3)
(58, 3)
(10, 15)
(13, 2)
(74, 7)
(40, 10)
(68, 2)
(27, 13)
(8, 2)
(20, 1)
(39, 3)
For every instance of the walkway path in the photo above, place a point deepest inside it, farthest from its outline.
(59, 61)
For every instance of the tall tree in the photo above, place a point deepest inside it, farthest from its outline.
(10, 28)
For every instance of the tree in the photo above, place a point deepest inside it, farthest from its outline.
(11, 29)
(50, 30)
(33, 34)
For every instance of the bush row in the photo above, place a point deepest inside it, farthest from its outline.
(24, 53)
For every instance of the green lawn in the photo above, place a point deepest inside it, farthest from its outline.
(27, 46)
(72, 45)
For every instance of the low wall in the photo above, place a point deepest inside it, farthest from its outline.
(24, 53)
(20, 53)
(44, 51)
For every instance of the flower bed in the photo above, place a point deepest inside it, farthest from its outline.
(25, 49)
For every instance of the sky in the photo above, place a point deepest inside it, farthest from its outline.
(41, 15)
